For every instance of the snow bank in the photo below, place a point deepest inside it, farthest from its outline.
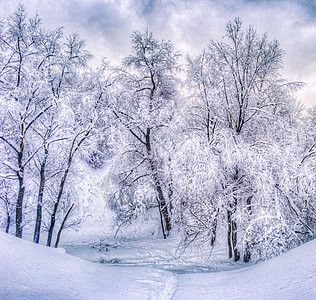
(291, 275)
(29, 271)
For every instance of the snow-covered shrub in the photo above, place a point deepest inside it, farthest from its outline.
(269, 236)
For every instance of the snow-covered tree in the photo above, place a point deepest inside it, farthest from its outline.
(237, 103)
(24, 96)
(144, 105)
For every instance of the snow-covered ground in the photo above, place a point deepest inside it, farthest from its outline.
(148, 269)
(29, 271)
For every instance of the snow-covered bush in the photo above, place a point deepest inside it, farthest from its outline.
(268, 236)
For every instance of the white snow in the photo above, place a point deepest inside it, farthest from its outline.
(288, 276)
(29, 271)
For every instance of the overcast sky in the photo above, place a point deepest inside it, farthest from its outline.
(106, 25)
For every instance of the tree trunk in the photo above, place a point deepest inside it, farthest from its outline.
(62, 225)
(8, 223)
(19, 208)
(38, 223)
(213, 230)
(214, 227)
(234, 231)
(234, 240)
(247, 253)
(161, 199)
(20, 174)
(161, 221)
(232, 224)
(53, 216)
(170, 188)
(229, 234)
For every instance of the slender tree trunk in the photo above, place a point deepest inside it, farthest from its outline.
(234, 240)
(161, 221)
(232, 233)
(53, 216)
(38, 223)
(214, 227)
(232, 224)
(19, 209)
(229, 234)
(62, 225)
(234, 230)
(247, 253)
(162, 202)
(8, 223)
(213, 230)
(20, 63)
(170, 188)
(161, 199)
(20, 174)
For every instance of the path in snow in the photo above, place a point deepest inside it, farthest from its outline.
(154, 252)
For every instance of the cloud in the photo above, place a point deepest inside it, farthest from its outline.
(106, 25)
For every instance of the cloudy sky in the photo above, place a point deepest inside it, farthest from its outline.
(106, 25)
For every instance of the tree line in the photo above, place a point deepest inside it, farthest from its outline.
(227, 150)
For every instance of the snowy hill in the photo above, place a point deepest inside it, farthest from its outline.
(29, 271)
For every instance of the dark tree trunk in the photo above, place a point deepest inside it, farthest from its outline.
(62, 225)
(161, 221)
(234, 231)
(8, 223)
(162, 203)
(53, 216)
(170, 189)
(20, 174)
(234, 240)
(229, 234)
(19, 209)
(213, 230)
(247, 253)
(232, 220)
(214, 227)
(161, 199)
(20, 63)
(38, 223)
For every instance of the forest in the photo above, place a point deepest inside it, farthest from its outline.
(209, 145)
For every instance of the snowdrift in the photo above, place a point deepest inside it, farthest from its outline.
(29, 271)
(291, 275)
